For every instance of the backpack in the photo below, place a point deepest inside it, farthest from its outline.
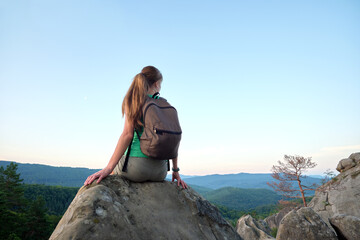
(162, 132)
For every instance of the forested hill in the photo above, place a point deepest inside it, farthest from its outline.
(242, 199)
(49, 175)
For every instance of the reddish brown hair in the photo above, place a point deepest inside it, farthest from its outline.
(135, 96)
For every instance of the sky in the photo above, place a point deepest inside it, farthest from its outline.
(251, 80)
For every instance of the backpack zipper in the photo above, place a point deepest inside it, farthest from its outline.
(161, 131)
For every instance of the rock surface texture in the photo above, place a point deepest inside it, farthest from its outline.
(349, 162)
(274, 220)
(347, 227)
(250, 229)
(304, 224)
(119, 209)
(340, 195)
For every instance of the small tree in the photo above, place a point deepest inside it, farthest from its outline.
(12, 202)
(329, 182)
(289, 171)
(328, 176)
(11, 185)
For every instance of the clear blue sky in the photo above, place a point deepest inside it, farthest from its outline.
(252, 80)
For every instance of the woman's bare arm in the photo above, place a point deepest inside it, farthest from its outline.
(123, 142)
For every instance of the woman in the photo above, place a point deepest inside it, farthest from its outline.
(140, 168)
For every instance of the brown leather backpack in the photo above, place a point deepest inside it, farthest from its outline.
(162, 132)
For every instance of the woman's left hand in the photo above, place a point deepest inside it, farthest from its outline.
(176, 175)
(100, 175)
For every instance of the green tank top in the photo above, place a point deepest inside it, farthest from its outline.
(135, 144)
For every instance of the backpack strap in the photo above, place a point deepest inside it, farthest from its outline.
(156, 95)
(124, 169)
(137, 134)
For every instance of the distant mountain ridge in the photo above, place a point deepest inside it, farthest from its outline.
(75, 177)
(241, 180)
(50, 175)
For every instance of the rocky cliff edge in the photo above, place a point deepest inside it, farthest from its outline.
(341, 195)
(119, 209)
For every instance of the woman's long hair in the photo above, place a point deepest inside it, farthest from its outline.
(136, 95)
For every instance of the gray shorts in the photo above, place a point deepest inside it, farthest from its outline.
(142, 169)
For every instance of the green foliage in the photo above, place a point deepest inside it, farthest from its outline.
(53, 221)
(10, 185)
(57, 198)
(241, 199)
(236, 202)
(273, 232)
(229, 214)
(12, 203)
(3, 213)
(19, 218)
(37, 226)
(260, 212)
(13, 236)
(200, 189)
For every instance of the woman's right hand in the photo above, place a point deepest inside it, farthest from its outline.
(100, 175)
(176, 176)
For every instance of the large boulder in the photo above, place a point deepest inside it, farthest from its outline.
(347, 227)
(341, 195)
(274, 220)
(349, 162)
(345, 164)
(304, 224)
(119, 209)
(355, 157)
(250, 229)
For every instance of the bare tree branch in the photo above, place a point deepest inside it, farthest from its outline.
(291, 170)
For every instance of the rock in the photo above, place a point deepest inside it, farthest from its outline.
(304, 224)
(250, 229)
(274, 220)
(345, 164)
(119, 209)
(349, 162)
(347, 227)
(355, 157)
(339, 196)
